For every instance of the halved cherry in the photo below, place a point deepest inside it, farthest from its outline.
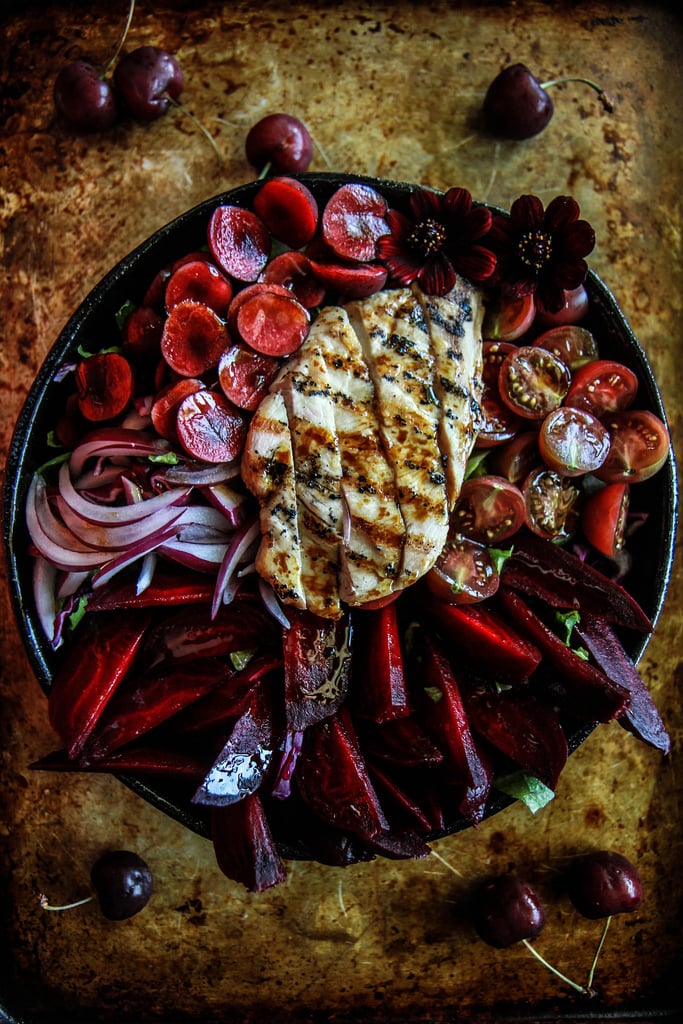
(142, 332)
(551, 504)
(210, 428)
(574, 345)
(273, 324)
(239, 242)
(490, 509)
(289, 210)
(293, 270)
(639, 447)
(508, 318)
(193, 338)
(603, 518)
(517, 457)
(166, 402)
(200, 280)
(105, 384)
(573, 442)
(464, 572)
(245, 375)
(351, 280)
(248, 292)
(602, 386)
(353, 220)
(533, 382)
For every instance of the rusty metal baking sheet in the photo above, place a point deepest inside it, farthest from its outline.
(394, 90)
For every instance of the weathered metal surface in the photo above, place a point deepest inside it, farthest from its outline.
(392, 89)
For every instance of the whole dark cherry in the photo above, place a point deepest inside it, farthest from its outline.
(148, 79)
(507, 910)
(281, 143)
(84, 99)
(123, 883)
(604, 883)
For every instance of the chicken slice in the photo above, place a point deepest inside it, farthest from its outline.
(306, 391)
(396, 346)
(454, 323)
(268, 472)
(373, 529)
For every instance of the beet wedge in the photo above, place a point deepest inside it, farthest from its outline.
(244, 761)
(134, 760)
(642, 717)
(244, 846)
(402, 742)
(334, 781)
(380, 692)
(315, 687)
(484, 638)
(590, 694)
(92, 673)
(526, 731)
(563, 580)
(165, 590)
(443, 714)
(148, 701)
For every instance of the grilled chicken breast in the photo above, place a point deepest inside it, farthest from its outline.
(357, 455)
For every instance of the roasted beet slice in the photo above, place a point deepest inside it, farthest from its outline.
(133, 760)
(166, 589)
(523, 729)
(145, 703)
(190, 633)
(641, 717)
(407, 845)
(486, 639)
(563, 580)
(317, 666)
(333, 779)
(442, 712)
(231, 699)
(93, 671)
(244, 846)
(243, 762)
(402, 741)
(379, 681)
(590, 694)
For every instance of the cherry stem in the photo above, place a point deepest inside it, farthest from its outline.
(122, 39)
(591, 973)
(198, 124)
(607, 103)
(46, 905)
(562, 977)
(265, 170)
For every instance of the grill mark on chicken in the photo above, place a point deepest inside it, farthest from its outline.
(395, 342)
(268, 472)
(454, 323)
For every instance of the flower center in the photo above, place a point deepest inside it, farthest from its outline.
(535, 249)
(427, 237)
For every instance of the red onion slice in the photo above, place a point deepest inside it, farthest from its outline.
(52, 538)
(117, 514)
(44, 595)
(236, 552)
(116, 538)
(126, 558)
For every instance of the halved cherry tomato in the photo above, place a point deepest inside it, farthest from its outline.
(574, 345)
(509, 318)
(493, 357)
(551, 504)
(517, 457)
(603, 518)
(533, 382)
(573, 442)
(490, 509)
(639, 448)
(602, 386)
(574, 309)
(498, 423)
(464, 572)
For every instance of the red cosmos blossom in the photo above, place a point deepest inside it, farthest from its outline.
(440, 238)
(541, 252)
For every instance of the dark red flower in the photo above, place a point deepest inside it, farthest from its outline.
(541, 252)
(441, 238)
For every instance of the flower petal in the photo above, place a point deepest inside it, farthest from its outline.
(561, 212)
(457, 203)
(437, 276)
(426, 205)
(577, 240)
(399, 224)
(526, 214)
(477, 264)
